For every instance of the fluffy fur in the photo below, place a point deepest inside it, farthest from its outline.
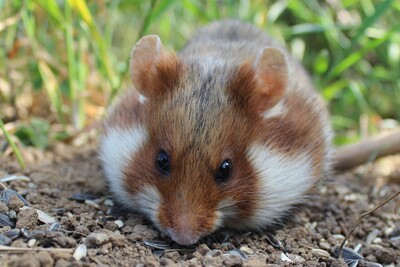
(232, 93)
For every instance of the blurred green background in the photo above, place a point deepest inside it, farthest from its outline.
(62, 62)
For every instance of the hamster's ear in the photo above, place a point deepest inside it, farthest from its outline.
(262, 83)
(153, 69)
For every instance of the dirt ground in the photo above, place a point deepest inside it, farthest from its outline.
(72, 220)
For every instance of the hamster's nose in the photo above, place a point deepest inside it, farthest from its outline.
(183, 236)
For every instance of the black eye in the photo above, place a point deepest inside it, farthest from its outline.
(162, 162)
(224, 171)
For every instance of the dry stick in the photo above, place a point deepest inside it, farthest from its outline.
(350, 156)
(361, 217)
(21, 250)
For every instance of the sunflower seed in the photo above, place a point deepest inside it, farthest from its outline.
(5, 221)
(80, 252)
(15, 177)
(12, 234)
(55, 227)
(8, 193)
(238, 253)
(44, 217)
(4, 240)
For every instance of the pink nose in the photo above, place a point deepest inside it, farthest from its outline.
(183, 236)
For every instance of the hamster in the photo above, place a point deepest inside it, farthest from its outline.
(229, 132)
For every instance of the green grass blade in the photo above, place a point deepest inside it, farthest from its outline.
(14, 147)
(379, 11)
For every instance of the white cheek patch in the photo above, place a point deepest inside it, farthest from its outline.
(283, 181)
(148, 202)
(117, 148)
(276, 111)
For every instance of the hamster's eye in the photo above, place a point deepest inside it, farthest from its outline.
(162, 162)
(224, 171)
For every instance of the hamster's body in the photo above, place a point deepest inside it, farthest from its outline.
(230, 132)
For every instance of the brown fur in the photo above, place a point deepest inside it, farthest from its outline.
(202, 114)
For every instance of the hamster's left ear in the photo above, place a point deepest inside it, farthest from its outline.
(259, 85)
(153, 69)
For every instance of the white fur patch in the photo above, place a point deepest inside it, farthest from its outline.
(116, 151)
(276, 111)
(283, 182)
(148, 202)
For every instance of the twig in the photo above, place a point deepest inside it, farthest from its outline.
(361, 217)
(22, 250)
(350, 156)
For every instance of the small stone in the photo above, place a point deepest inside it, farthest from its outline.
(108, 202)
(27, 218)
(44, 217)
(119, 223)
(96, 239)
(324, 245)
(32, 242)
(80, 231)
(44, 258)
(203, 249)
(109, 225)
(80, 252)
(214, 253)
(15, 203)
(19, 244)
(385, 255)
(4, 240)
(231, 260)
(127, 229)
(246, 250)
(3, 207)
(321, 253)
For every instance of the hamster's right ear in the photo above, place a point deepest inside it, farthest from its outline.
(153, 69)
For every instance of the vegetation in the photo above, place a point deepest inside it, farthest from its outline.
(62, 62)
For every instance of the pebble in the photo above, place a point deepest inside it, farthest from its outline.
(119, 223)
(96, 239)
(15, 202)
(324, 246)
(32, 242)
(203, 249)
(80, 252)
(246, 250)
(3, 207)
(231, 260)
(321, 253)
(385, 255)
(214, 253)
(44, 217)
(238, 253)
(92, 203)
(108, 202)
(27, 218)
(4, 240)
(285, 258)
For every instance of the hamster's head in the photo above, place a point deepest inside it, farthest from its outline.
(177, 147)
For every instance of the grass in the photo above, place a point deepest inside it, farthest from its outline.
(64, 61)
